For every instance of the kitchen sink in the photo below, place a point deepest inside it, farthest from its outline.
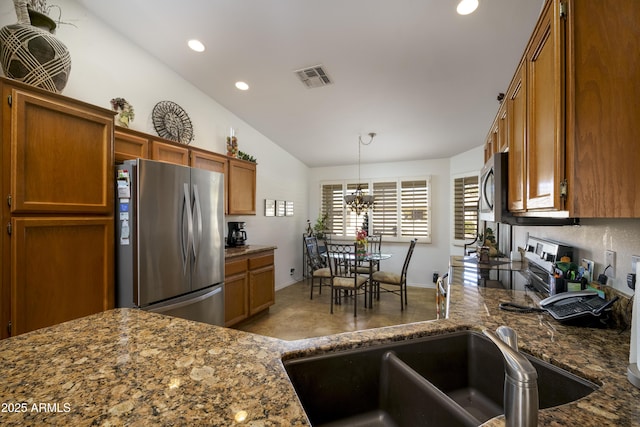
(443, 380)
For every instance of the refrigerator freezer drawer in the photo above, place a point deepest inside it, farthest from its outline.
(206, 305)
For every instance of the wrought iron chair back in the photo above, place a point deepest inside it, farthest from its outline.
(313, 253)
(318, 264)
(383, 279)
(342, 259)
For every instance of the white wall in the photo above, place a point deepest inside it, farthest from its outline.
(105, 66)
(427, 257)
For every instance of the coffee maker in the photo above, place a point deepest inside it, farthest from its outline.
(236, 235)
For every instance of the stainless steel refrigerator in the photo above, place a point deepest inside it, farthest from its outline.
(170, 240)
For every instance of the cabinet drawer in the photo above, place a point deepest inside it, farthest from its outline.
(235, 267)
(260, 261)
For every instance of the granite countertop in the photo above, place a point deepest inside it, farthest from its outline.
(472, 262)
(246, 250)
(130, 367)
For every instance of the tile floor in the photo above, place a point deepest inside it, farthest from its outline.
(295, 315)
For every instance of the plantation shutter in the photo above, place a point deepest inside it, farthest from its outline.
(385, 209)
(332, 206)
(414, 202)
(466, 193)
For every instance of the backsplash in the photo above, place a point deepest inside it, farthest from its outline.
(591, 238)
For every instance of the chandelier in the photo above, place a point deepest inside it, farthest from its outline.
(358, 201)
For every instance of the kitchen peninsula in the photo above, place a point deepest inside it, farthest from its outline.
(130, 367)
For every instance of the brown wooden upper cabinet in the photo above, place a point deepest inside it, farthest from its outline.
(545, 123)
(242, 187)
(130, 145)
(169, 153)
(61, 155)
(503, 141)
(516, 101)
(572, 113)
(240, 175)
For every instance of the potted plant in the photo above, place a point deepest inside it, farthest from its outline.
(320, 228)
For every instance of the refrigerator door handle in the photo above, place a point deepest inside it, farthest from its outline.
(197, 220)
(186, 200)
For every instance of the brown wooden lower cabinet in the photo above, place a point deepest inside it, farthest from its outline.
(62, 270)
(236, 291)
(249, 286)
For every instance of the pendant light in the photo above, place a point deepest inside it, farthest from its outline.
(358, 201)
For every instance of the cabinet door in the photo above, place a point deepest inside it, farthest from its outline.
(242, 187)
(261, 282)
(129, 146)
(503, 140)
(236, 291)
(488, 146)
(61, 156)
(169, 153)
(236, 298)
(517, 128)
(545, 121)
(61, 269)
(212, 162)
(209, 161)
(261, 289)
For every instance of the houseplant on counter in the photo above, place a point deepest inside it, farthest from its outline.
(32, 55)
(488, 240)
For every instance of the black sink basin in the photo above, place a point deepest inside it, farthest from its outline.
(444, 380)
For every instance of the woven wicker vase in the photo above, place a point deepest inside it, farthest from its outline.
(34, 56)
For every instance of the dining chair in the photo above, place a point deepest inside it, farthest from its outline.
(317, 264)
(388, 278)
(343, 276)
(373, 245)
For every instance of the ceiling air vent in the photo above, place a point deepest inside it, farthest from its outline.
(313, 76)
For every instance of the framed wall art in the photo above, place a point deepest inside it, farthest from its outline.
(288, 208)
(269, 207)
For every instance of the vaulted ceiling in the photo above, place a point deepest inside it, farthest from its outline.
(424, 78)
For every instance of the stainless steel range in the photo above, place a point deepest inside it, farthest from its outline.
(542, 255)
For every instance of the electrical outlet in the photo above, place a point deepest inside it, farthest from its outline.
(635, 259)
(610, 264)
(435, 277)
(291, 272)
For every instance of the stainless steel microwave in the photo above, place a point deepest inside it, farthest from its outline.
(493, 203)
(494, 186)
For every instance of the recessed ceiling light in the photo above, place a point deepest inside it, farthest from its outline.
(242, 85)
(196, 45)
(465, 7)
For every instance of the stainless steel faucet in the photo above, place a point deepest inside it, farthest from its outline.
(521, 380)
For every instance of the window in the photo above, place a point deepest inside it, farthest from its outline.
(466, 193)
(401, 210)
(333, 207)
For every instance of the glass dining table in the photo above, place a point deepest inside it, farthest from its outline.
(373, 259)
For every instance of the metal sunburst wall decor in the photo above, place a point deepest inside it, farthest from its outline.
(172, 122)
